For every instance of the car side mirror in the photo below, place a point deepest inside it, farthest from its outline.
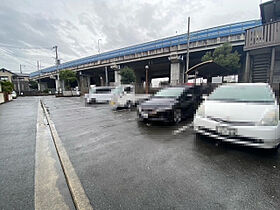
(204, 97)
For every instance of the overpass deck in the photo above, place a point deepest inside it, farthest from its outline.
(211, 33)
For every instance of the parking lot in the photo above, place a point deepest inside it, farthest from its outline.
(125, 164)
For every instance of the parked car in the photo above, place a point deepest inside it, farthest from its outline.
(245, 114)
(124, 97)
(170, 104)
(14, 94)
(99, 94)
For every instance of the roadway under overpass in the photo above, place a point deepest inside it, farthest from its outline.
(165, 58)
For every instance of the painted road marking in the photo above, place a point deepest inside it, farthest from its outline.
(77, 191)
(183, 128)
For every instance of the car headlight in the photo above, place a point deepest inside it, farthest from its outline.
(270, 118)
(201, 110)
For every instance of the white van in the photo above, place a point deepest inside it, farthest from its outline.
(124, 97)
(99, 94)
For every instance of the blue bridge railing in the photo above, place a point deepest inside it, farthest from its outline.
(220, 31)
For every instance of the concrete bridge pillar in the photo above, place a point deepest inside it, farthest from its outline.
(139, 88)
(176, 69)
(84, 83)
(247, 68)
(58, 84)
(117, 76)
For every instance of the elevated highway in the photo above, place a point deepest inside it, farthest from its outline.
(164, 56)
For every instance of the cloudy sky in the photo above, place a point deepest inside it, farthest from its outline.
(30, 28)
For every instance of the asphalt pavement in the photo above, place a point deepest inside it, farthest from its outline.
(17, 153)
(125, 164)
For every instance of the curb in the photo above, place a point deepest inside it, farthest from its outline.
(77, 192)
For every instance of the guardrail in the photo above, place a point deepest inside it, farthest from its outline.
(263, 36)
(211, 33)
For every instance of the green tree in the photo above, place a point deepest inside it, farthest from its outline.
(127, 75)
(33, 85)
(68, 77)
(7, 86)
(224, 56)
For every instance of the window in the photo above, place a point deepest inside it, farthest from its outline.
(170, 92)
(243, 93)
(4, 78)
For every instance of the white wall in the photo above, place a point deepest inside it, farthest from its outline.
(1, 98)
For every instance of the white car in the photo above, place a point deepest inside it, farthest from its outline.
(244, 113)
(99, 94)
(124, 97)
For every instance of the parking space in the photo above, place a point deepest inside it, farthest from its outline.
(125, 164)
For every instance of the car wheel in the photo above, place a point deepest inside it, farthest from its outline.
(177, 116)
(275, 149)
(129, 105)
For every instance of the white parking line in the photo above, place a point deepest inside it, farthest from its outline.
(183, 128)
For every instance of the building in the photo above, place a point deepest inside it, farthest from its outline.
(6, 75)
(262, 47)
(20, 80)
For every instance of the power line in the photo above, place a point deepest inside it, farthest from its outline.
(25, 48)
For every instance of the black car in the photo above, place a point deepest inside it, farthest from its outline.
(171, 104)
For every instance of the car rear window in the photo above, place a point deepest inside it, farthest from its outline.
(170, 92)
(243, 93)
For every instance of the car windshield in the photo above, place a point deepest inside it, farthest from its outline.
(243, 93)
(117, 90)
(100, 90)
(169, 92)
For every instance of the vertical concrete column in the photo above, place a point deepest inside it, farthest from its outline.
(39, 85)
(247, 67)
(84, 83)
(106, 76)
(139, 88)
(272, 65)
(176, 70)
(57, 83)
(117, 76)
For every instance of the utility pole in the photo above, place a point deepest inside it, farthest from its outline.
(56, 55)
(18, 79)
(188, 52)
(98, 45)
(38, 65)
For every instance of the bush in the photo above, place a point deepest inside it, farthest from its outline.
(33, 85)
(7, 86)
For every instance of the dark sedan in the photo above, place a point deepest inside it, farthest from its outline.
(171, 104)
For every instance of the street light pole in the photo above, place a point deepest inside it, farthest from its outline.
(188, 52)
(147, 78)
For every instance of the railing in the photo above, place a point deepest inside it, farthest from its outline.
(263, 36)
(211, 33)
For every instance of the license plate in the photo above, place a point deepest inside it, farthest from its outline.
(144, 115)
(226, 131)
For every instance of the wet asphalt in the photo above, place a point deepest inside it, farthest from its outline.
(17, 153)
(125, 164)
